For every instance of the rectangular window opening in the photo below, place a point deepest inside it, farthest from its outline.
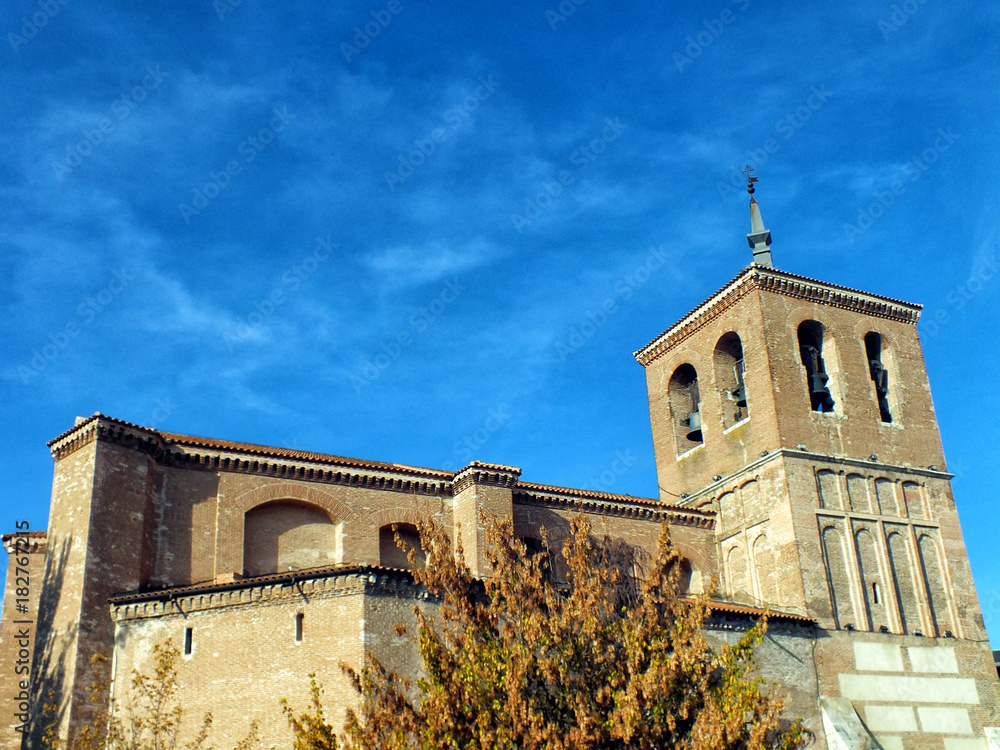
(188, 640)
(875, 597)
(299, 621)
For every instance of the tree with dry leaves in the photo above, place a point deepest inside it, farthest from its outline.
(148, 717)
(611, 657)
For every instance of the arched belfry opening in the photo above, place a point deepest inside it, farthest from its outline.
(879, 373)
(685, 408)
(730, 368)
(811, 350)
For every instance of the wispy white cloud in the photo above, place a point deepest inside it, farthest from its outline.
(416, 265)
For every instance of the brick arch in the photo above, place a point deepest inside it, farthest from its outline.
(696, 557)
(305, 493)
(765, 569)
(935, 575)
(556, 526)
(799, 315)
(385, 516)
(362, 537)
(737, 573)
(232, 513)
(876, 325)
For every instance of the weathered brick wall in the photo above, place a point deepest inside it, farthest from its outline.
(912, 692)
(62, 596)
(18, 633)
(696, 544)
(477, 502)
(787, 664)
(185, 533)
(245, 657)
(778, 392)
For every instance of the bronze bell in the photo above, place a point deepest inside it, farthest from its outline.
(740, 394)
(819, 393)
(693, 423)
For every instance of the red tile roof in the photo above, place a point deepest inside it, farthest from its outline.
(241, 583)
(742, 609)
(173, 438)
(32, 534)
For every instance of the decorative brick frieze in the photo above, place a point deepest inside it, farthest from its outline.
(621, 506)
(280, 589)
(757, 278)
(491, 475)
(172, 450)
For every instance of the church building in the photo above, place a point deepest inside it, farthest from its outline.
(792, 424)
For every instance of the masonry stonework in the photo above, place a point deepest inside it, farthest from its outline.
(802, 474)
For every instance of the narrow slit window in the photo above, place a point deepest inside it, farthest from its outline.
(879, 375)
(299, 623)
(876, 599)
(188, 640)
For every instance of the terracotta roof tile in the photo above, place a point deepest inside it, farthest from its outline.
(594, 495)
(741, 609)
(31, 534)
(173, 438)
(266, 450)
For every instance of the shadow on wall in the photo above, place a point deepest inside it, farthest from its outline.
(49, 663)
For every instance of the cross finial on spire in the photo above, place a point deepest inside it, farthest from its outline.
(759, 237)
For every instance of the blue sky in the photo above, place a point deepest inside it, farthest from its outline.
(265, 223)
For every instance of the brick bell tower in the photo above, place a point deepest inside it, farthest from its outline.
(801, 412)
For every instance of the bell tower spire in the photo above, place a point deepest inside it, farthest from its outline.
(759, 237)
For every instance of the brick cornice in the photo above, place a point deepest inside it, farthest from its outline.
(179, 451)
(623, 506)
(275, 589)
(758, 278)
(491, 475)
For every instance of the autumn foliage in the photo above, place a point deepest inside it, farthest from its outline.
(608, 654)
(147, 717)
